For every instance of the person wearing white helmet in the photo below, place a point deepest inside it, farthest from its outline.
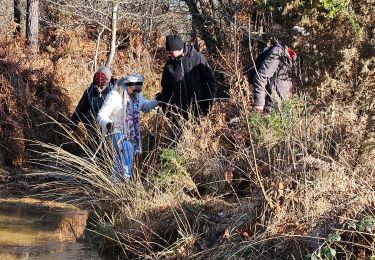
(120, 117)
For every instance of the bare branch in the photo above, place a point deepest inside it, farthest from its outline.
(97, 48)
(113, 34)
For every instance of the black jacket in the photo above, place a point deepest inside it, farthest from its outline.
(88, 107)
(187, 81)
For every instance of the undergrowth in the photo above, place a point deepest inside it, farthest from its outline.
(297, 182)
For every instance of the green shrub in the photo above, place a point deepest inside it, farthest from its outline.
(172, 175)
(356, 236)
(270, 129)
(271, 5)
(355, 25)
(333, 7)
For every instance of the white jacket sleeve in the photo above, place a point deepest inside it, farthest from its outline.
(107, 108)
(147, 105)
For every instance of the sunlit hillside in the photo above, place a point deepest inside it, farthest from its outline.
(297, 183)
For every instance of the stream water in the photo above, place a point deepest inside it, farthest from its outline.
(30, 229)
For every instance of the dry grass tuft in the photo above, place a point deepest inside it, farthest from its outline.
(237, 184)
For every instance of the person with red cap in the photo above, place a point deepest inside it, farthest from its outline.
(92, 100)
(272, 75)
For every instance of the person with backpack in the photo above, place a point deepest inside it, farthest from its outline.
(120, 118)
(187, 81)
(92, 100)
(271, 77)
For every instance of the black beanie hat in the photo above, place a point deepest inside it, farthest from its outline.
(174, 42)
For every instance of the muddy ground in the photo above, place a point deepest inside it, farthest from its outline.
(19, 183)
(15, 183)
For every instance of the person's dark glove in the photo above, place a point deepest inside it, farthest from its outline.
(109, 127)
(112, 80)
(159, 97)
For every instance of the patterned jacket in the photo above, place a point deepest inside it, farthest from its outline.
(112, 110)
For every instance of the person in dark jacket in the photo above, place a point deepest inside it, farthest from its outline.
(92, 100)
(187, 82)
(272, 82)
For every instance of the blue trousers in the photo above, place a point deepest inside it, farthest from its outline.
(124, 152)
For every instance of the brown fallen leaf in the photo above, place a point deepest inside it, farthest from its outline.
(228, 175)
(245, 235)
(226, 233)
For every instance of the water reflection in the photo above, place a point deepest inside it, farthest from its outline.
(30, 230)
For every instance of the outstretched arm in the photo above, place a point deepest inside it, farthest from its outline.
(147, 105)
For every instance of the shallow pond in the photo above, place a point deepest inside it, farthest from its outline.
(31, 229)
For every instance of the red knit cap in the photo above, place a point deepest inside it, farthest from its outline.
(100, 79)
(292, 54)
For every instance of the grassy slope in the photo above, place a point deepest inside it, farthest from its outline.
(237, 184)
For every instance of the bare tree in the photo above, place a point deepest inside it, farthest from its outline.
(17, 17)
(205, 22)
(112, 49)
(112, 15)
(102, 13)
(32, 26)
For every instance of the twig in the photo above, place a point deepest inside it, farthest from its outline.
(97, 48)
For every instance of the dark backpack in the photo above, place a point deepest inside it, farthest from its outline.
(258, 62)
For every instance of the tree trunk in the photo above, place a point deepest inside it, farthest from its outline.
(32, 26)
(17, 17)
(113, 35)
(205, 24)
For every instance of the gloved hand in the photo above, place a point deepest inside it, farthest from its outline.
(150, 105)
(109, 127)
(112, 80)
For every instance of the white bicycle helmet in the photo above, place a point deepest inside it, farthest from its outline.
(135, 80)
